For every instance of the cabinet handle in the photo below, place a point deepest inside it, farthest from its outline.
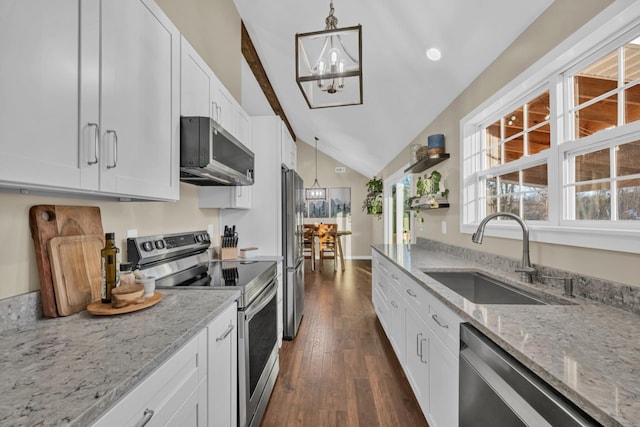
(418, 346)
(96, 136)
(394, 277)
(410, 292)
(219, 109)
(214, 111)
(393, 303)
(442, 325)
(226, 333)
(422, 352)
(115, 149)
(148, 413)
(381, 285)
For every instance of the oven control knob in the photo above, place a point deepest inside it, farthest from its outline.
(147, 246)
(205, 237)
(159, 244)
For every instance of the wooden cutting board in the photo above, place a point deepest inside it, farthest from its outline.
(48, 221)
(75, 269)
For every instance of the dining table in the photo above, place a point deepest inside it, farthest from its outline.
(338, 253)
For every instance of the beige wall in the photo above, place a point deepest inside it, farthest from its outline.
(213, 28)
(556, 24)
(359, 244)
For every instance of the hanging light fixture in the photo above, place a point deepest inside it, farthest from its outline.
(316, 192)
(329, 64)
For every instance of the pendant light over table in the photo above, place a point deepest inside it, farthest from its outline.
(315, 192)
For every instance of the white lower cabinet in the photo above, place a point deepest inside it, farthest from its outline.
(425, 335)
(196, 387)
(167, 392)
(223, 369)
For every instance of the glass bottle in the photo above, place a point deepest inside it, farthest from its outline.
(126, 274)
(109, 274)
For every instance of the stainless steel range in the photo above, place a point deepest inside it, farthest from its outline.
(180, 261)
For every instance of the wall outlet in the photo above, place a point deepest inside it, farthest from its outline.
(132, 233)
(444, 227)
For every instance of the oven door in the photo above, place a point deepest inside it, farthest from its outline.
(258, 352)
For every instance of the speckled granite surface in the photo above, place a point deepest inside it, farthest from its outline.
(588, 351)
(69, 370)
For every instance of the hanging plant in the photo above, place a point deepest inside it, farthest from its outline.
(428, 193)
(373, 202)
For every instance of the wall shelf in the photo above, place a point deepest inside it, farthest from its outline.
(428, 207)
(426, 163)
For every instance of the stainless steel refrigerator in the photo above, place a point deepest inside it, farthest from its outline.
(292, 241)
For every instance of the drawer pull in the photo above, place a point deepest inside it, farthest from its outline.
(148, 413)
(410, 292)
(418, 346)
(394, 277)
(393, 303)
(226, 333)
(442, 325)
(422, 352)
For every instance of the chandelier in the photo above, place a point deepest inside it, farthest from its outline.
(329, 64)
(316, 192)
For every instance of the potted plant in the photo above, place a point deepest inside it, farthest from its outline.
(428, 193)
(373, 202)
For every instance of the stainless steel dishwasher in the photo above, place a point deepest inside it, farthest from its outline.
(496, 390)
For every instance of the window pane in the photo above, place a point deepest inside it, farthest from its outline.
(510, 203)
(596, 117)
(539, 139)
(628, 159)
(491, 187)
(632, 104)
(535, 205)
(596, 79)
(513, 123)
(593, 201)
(631, 61)
(510, 183)
(629, 199)
(513, 149)
(492, 205)
(592, 166)
(535, 178)
(492, 134)
(493, 156)
(538, 110)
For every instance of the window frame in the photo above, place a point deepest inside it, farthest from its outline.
(588, 43)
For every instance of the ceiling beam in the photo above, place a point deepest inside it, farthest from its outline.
(252, 58)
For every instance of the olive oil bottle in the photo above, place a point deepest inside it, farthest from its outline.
(109, 272)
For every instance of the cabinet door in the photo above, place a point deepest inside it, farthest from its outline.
(39, 92)
(193, 411)
(443, 385)
(417, 357)
(396, 307)
(223, 369)
(140, 100)
(196, 83)
(224, 105)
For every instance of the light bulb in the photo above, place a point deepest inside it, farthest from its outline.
(333, 56)
(322, 65)
(341, 68)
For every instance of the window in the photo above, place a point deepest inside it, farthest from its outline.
(564, 156)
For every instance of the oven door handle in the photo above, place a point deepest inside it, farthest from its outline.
(263, 300)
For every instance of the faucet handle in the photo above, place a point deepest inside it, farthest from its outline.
(528, 270)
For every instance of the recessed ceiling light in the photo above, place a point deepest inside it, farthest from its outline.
(434, 54)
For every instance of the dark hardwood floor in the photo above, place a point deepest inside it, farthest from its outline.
(340, 370)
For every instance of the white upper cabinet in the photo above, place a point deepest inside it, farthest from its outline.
(202, 94)
(140, 89)
(288, 147)
(39, 94)
(196, 83)
(85, 111)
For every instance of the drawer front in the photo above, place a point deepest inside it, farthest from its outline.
(445, 324)
(417, 297)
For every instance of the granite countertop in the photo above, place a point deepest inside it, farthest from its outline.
(70, 370)
(588, 351)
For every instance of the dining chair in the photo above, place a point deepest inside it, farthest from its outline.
(309, 244)
(327, 244)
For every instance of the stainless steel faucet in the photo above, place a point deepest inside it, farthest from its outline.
(526, 271)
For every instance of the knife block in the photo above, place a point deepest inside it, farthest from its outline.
(228, 252)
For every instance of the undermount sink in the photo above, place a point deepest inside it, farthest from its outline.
(481, 289)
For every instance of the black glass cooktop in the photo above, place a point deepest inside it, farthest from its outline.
(237, 273)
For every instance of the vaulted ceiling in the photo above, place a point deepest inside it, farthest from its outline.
(403, 90)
